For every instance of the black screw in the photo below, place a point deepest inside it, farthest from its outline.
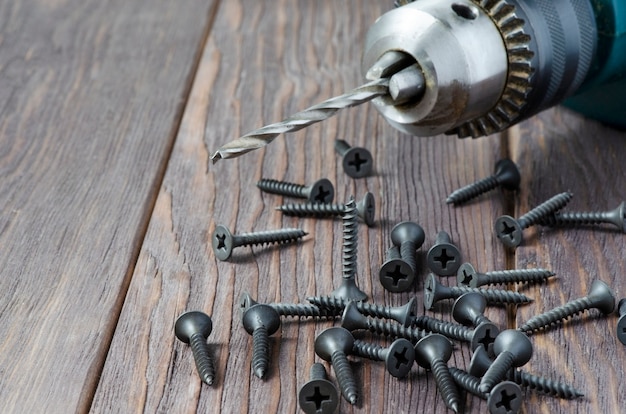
(509, 230)
(298, 310)
(321, 191)
(600, 296)
(435, 291)
(483, 335)
(395, 274)
(443, 258)
(621, 322)
(318, 395)
(365, 209)
(506, 175)
(404, 314)
(223, 241)
(432, 352)
(513, 349)
(615, 217)
(354, 320)
(468, 276)
(193, 328)
(398, 357)
(357, 161)
(409, 237)
(504, 398)
(260, 321)
(481, 361)
(334, 344)
(469, 309)
(348, 288)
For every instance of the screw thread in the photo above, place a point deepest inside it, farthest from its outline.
(544, 209)
(204, 362)
(445, 384)
(312, 209)
(268, 237)
(447, 329)
(342, 147)
(393, 253)
(338, 304)
(493, 296)
(563, 219)
(302, 310)
(282, 188)
(367, 350)
(472, 190)
(466, 381)
(344, 375)
(513, 276)
(260, 351)
(496, 371)
(350, 240)
(407, 252)
(317, 372)
(393, 329)
(544, 385)
(557, 314)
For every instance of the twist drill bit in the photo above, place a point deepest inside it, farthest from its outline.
(316, 113)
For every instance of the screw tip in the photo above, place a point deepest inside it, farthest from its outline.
(208, 379)
(454, 407)
(484, 388)
(352, 400)
(449, 200)
(260, 372)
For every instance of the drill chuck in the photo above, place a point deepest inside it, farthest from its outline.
(486, 64)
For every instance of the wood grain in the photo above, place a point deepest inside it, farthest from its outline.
(90, 99)
(260, 64)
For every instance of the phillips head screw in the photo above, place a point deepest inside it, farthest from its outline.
(505, 175)
(357, 162)
(260, 321)
(409, 237)
(509, 230)
(398, 357)
(334, 344)
(600, 296)
(504, 398)
(223, 241)
(297, 310)
(512, 349)
(468, 276)
(621, 322)
(404, 314)
(318, 395)
(443, 258)
(321, 191)
(193, 328)
(432, 352)
(616, 217)
(469, 309)
(395, 274)
(365, 209)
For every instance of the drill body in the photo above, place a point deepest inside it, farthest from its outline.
(488, 64)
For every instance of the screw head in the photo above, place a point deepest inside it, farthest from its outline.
(431, 291)
(443, 259)
(480, 362)
(400, 358)
(484, 336)
(468, 307)
(331, 340)
(260, 315)
(407, 231)
(621, 214)
(515, 342)
(396, 275)
(467, 276)
(602, 296)
(193, 322)
(432, 347)
(508, 231)
(357, 162)
(507, 173)
(245, 301)
(349, 290)
(322, 191)
(621, 324)
(352, 319)
(505, 398)
(222, 243)
(318, 396)
(405, 314)
(366, 209)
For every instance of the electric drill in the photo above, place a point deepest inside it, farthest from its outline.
(476, 67)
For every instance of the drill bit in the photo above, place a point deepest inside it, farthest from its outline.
(324, 110)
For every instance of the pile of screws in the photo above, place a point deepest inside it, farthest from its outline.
(492, 373)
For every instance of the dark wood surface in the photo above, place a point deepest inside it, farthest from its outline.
(109, 199)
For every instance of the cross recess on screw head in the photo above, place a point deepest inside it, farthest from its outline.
(318, 398)
(506, 400)
(443, 258)
(396, 275)
(322, 193)
(357, 161)
(220, 241)
(401, 358)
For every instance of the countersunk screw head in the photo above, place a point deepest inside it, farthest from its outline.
(193, 322)
(260, 315)
(516, 343)
(333, 339)
(468, 308)
(400, 357)
(443, 258)
(431, 347)
(318, 396)
(505, 398)
(349, 290)
(357, 162)
(621, 322)
(467, 275)
(507, 174)
(484, 336)
(222, 242)
(602, 297)
(321, 191)
(408, 231)
(396, 275)
(366, 209)
(509, 231)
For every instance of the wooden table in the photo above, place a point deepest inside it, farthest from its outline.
(108, 198)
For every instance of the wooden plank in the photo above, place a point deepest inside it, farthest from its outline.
(92, 93)
(562, 151)
(261, 63)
